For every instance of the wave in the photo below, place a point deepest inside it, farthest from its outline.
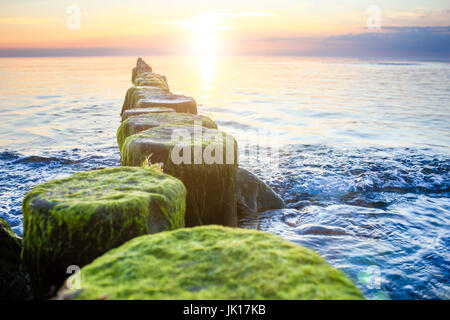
(43, 160)
(319, 174)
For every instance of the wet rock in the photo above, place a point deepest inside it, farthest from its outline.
(254, 195)
(211, 262)
(72, 221)
(141, 67)
(204, 159)
(136, 93)
(152, 80)
(14, 280)
(137, 112)
(143, 122)
(321, 230)
(179, 103)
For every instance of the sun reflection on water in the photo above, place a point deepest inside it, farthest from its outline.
(206, 66)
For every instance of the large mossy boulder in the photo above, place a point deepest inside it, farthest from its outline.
(137, 112)
(72, 221)
(204, 159)
(179, 103)
(211, 262)
(253, 195)
(14, 280)
(143, 122)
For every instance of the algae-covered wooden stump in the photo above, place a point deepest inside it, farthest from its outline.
(177, 102)
(14, 280)
(211, 262)
(73, 220)
(151, 79)
(204, 159)
(136, 112)
(141, 67)
(136, 93)
(147, 96)
(143, 122)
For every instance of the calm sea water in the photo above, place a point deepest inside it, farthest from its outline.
(364, 149)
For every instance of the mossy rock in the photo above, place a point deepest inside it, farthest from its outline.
(141, 67)
(177, 102)
(210, 185)
(143, 122)
(71, 221)
(137, 112)
(14, 279)
(135, 93)
(151, 79)
(211, 262)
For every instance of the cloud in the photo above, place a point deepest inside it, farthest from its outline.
(391, 41)
(412, 41)
(25, 21)
(213, 20)
(245, 14)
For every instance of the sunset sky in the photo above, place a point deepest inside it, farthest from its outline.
(320, 27)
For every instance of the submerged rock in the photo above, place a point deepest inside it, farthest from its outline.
(143, 122)
(177, 102)
(204, 159)
(137, 112)
(71, 221)
(14, 280)
(254, 195)
(211, 262)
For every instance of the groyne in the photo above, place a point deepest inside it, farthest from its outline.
(149, 229)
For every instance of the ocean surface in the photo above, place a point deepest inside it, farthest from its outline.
(363, 158)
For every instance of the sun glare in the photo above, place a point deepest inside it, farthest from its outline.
(205, 44)
(205, 34)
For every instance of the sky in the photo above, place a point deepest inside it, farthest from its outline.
(376, 28)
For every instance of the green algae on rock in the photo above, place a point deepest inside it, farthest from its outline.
(204, 159)
(143, 122)
(135, 93)
(151, 79)
(211, 262)
(71, 221)
(177, 102)
(136, 112)
(14, 279)
(141, 67)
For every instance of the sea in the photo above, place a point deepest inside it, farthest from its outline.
(359, 149)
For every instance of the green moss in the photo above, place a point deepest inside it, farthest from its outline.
(72, 221)
(212, 263)
(143, 122)
(141, 67)
(14, 280)
(151, 79)
(137, 112)
(179, 103)
(211, 188)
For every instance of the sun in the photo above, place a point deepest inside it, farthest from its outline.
(205, 45)
(205, 34)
